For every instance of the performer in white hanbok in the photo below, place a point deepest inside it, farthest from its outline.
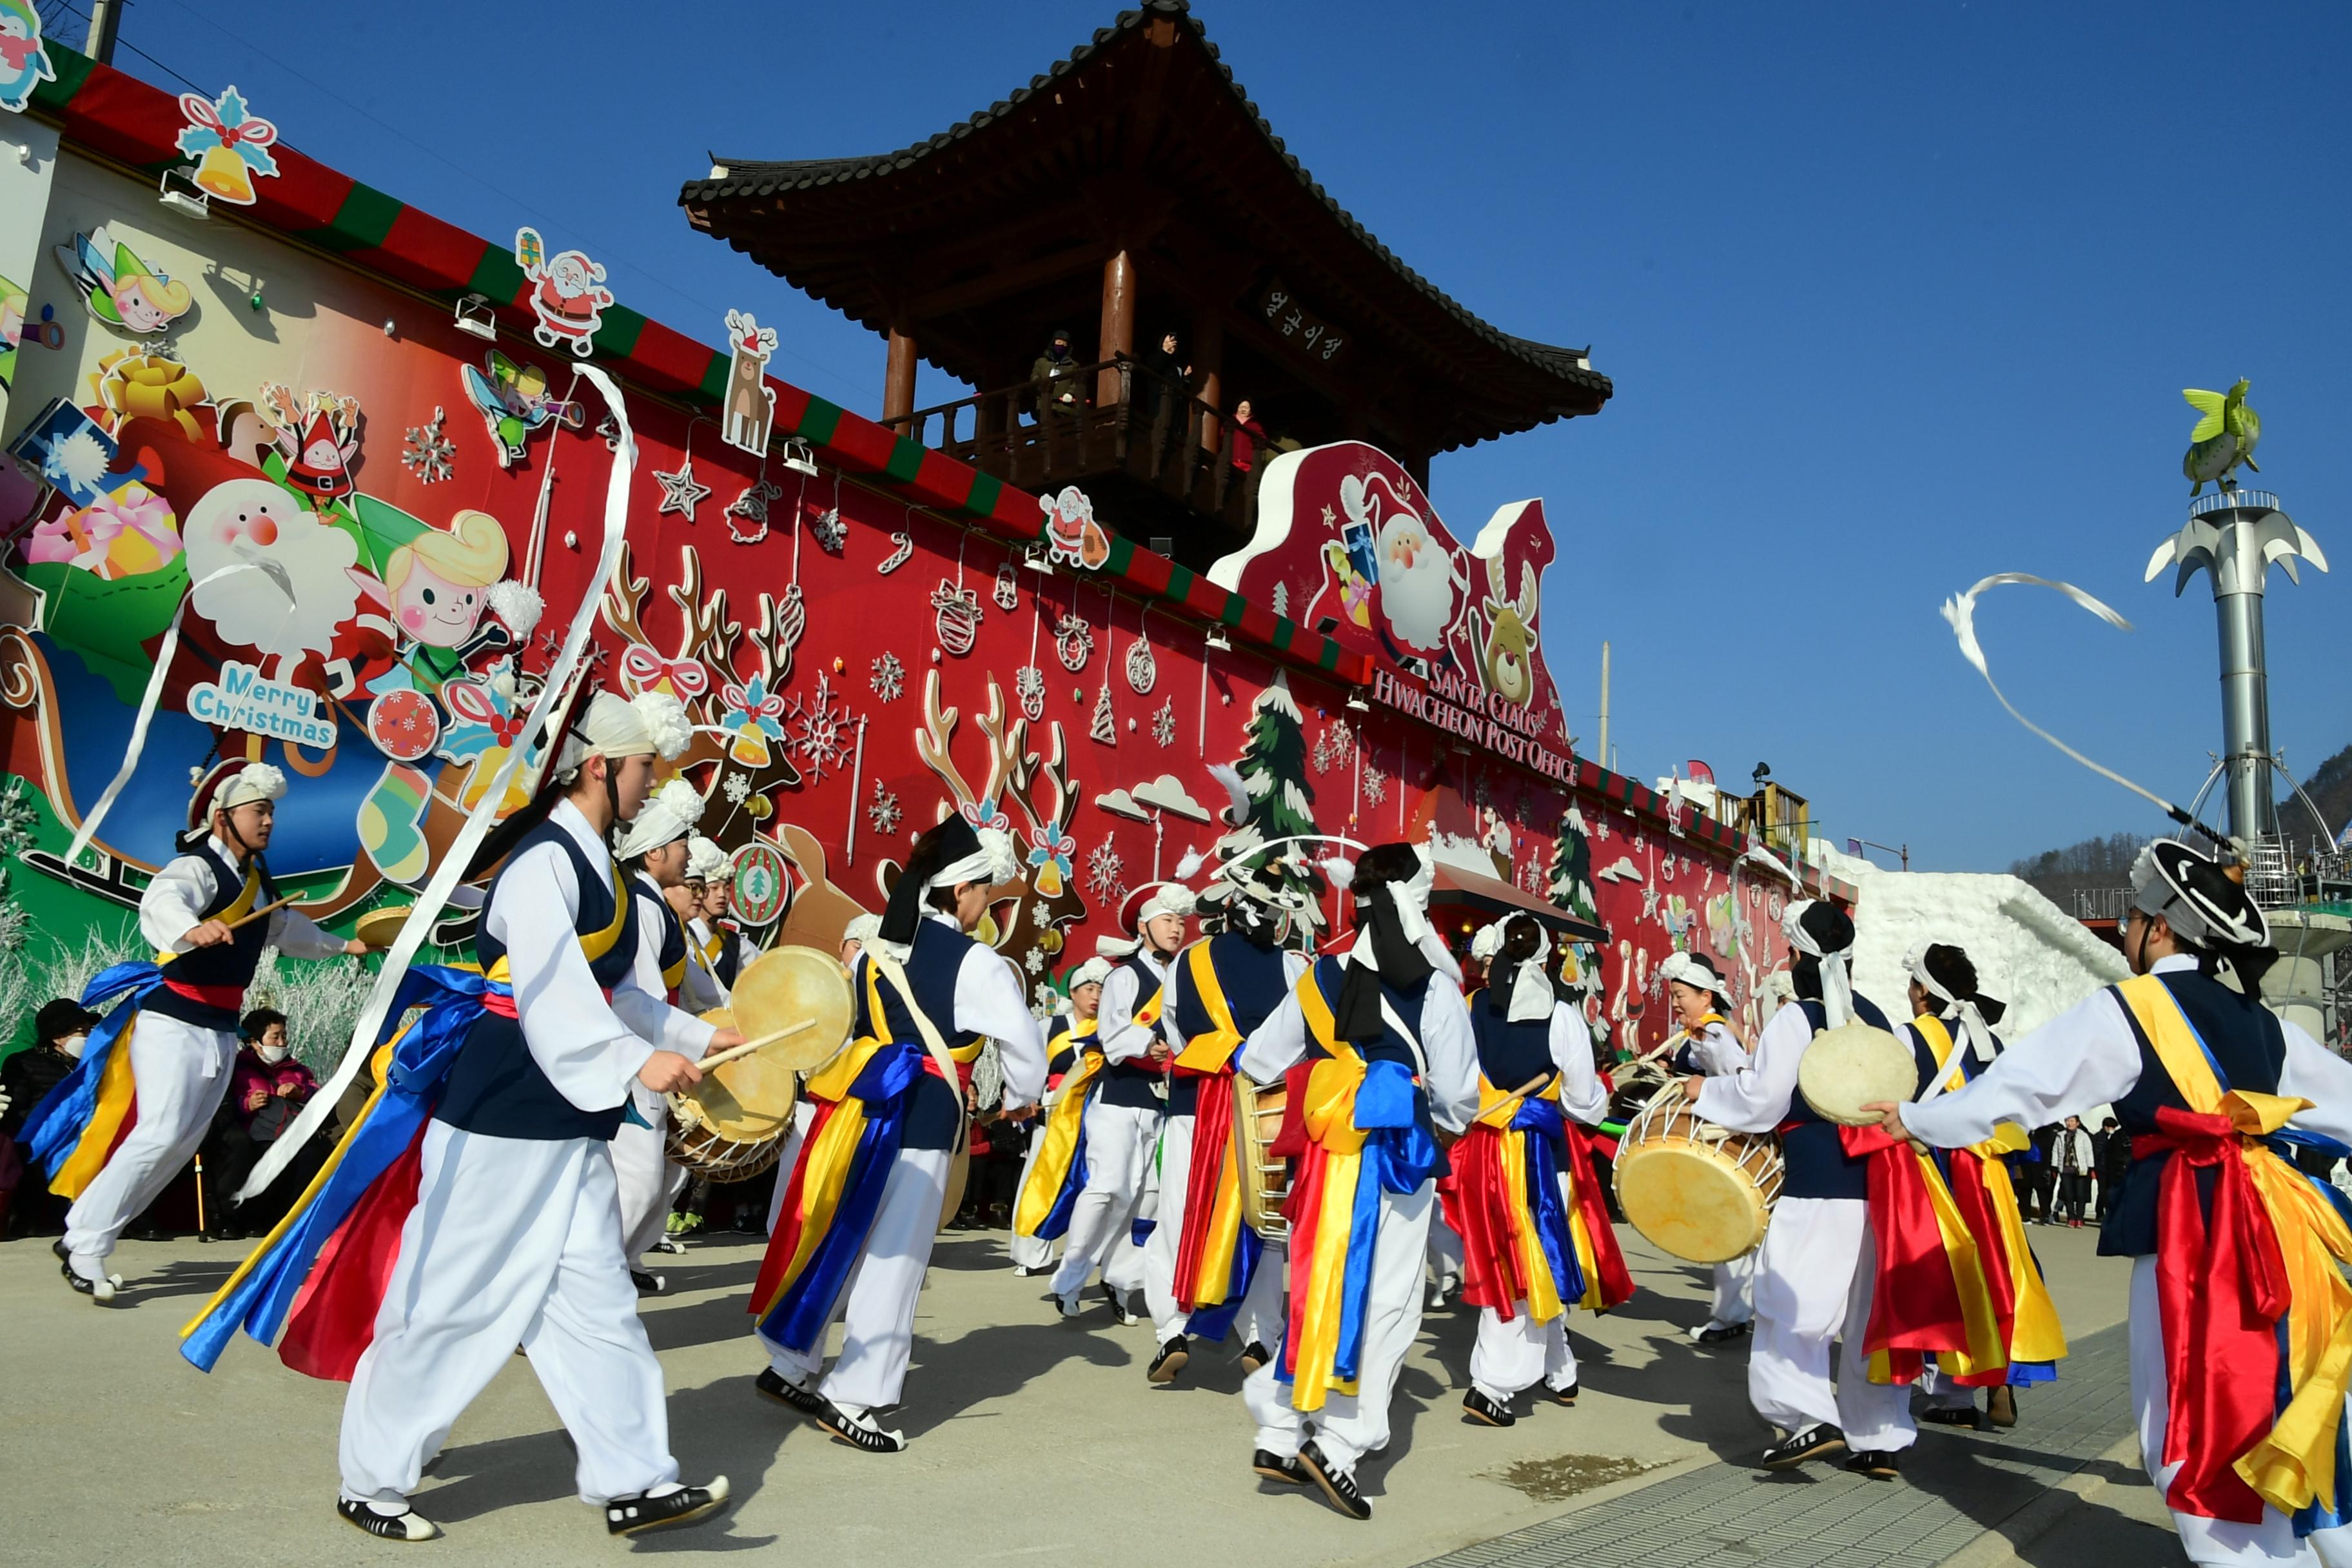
(160, 1060)
(652, 848)
(1377, 1049)
(1705, 1044)
(1205, 1271)
(516, 1236)
(724, 949)
(1122, 1123)
(862, 1202)
(1053, 1171)
(2238, 1300)
(705, 949)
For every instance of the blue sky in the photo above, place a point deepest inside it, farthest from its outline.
(1894, 297)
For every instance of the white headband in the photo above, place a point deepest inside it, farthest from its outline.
(1690, 972)
(862, 928)
(1531, 991)
(255, 781)
(669, 817)
(1974, 1033)
(705, 861)
(652, 724)
(1837, 987)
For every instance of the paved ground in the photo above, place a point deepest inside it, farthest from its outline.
(1037, 1439)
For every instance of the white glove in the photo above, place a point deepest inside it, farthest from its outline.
(7, 1099)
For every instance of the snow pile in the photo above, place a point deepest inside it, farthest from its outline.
(2028, 952)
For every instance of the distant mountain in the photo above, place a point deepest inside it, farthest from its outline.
(2330, 789)
(2057, 874)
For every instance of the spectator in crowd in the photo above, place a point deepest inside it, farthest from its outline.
(2037, 1201)
(1248, 436)
(2075, 1161)
(1061, 390)
(1163, 381)
(26, 1205)
(267, 1090)
(2115, 1159)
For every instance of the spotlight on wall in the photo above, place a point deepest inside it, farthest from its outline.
(1039, 558)
(182, 195)
(1218, 640)
(474, 318)
(799, 458)
(1356, 703)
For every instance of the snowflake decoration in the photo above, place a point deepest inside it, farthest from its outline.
(1029, 685)
(747, 514)
(1045, 996)
(1040, 914)
(830, 532)
(738, 788)
(1034, 960)
(819, 730)
(890, 678)
(1376, 785)
(1106, 872)
(1073, 642)
(430, 454)
(883, 810)
(1163, 723)
(1337, 743)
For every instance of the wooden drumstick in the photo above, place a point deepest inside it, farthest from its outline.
(761, 1044)
(261, 913)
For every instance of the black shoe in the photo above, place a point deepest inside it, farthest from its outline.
(100, 1290)
(144, 1233)
(1950, 1415)
(1798, 1447)
(1879, 1464)
(771, 1385)
(1030, 1270)
(2001, 1406)
(406, 1526)
(1715, 1334)
(1338, 1484)
(1562, 1396)
(1477, 1407)
(1275, 1469)
(688, 1505)
(859, 1432)
(648, 1284)
(1254, 1355)
(1119, 1304)
(1169, 1363)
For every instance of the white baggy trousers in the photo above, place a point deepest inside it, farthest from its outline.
(1260, 1320)
(1735, 1286)
(877, 1302)
(513, 1241)
(2205, 1541)
(1508, 1356)
(1351, 1425)
(1120, 1143)
(180, 1074)
(1030, 1252)
(1814, 1282)
(649, 1181)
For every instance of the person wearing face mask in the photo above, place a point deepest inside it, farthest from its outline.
(1061, 393)
(1202, 1269)
(60, 1029)
(175, 1029)
(1122, 1121)
(1377, 1049)
(1537, 1240)
(1705, 1044)
(267, 1088)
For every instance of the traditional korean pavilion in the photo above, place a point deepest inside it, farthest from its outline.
(1130, 191)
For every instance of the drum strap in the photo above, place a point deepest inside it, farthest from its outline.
(932, 1042)
(1396, 1022)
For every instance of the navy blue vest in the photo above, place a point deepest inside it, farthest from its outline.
(1814, 1162)
(730, 955)
(231, 963)
(1327, 977)
(1255, 982)
(2250, 1051)
(495, 1087)
(1131, 1083)
(935, 1108)
(1510, 1054)
(1925, 1055)
(672, 954)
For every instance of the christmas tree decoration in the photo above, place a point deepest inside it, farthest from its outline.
(1105, 723)
(681, 492)
(1274, 798)
(429, 453)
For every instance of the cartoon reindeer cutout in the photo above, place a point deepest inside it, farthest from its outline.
(1509, 653)
(1029, 911)
(748, 411)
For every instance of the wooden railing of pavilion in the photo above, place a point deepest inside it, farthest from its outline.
(1174, 441)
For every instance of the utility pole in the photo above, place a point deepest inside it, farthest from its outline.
(105, 21)
(1604, 706)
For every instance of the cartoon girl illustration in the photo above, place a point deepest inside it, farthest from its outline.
(439, 586)
(119, 288)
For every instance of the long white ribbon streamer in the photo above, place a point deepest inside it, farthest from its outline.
(149, 700)
(1961, 612)
(480, 821)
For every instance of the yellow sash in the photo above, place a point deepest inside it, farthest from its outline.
(2297, 1463)
(1210, 1052)
(1065, 1115)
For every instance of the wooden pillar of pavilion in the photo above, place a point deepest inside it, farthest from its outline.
(1117, 325)
(898, 381)
(1209, 359)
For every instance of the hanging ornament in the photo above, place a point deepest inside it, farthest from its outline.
(902, 549)
(830, 531)
(430, 454)
(747, 514)
(681, 491)
(1008, 588)
(890, 678)
(1073, 642)
(1142, 670)
(1106, 722)
(956, 617)
(1029, 685)
(1163, 723)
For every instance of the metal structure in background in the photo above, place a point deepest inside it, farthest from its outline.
(2303, 883)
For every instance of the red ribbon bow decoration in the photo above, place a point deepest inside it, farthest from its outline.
(642, 668)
